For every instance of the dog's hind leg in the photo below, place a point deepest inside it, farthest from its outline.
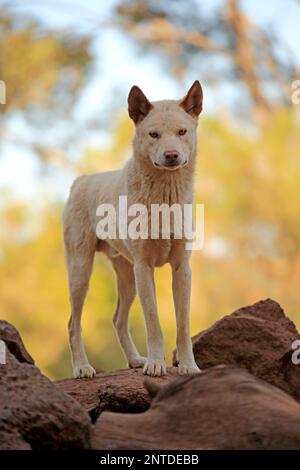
(126, 293)
(79, 265)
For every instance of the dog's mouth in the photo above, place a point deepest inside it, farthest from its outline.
(170, 166)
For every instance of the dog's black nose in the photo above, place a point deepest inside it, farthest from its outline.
(171, 157)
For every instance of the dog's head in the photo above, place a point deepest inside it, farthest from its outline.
(165, 130)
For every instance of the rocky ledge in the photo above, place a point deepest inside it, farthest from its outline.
(247, 396)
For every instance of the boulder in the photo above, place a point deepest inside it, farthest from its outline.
(14, 343)
(239, 405)
(34, 413)
(120, 390)
(258, 338)
(222, 408)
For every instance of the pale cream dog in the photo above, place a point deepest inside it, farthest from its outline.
(160, 171)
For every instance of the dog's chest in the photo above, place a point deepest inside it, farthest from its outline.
(156, 253)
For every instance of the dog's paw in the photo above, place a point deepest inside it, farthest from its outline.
(84, 370)
(185, 369)
(155, 367)
(138, 361)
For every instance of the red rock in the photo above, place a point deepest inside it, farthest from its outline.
(14, 342)
(258, 338)
(222, 408)
(121, 390)
(34, 413)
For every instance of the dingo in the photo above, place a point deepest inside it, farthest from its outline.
(161, 171)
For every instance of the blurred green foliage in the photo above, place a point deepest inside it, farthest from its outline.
(40, 69)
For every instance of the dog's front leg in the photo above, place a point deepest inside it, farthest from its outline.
(144, 279)
(182, 278)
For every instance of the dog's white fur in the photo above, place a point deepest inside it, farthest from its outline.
(145, 179)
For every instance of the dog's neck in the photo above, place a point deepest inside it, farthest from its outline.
(154, 186)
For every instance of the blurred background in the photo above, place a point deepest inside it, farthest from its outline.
(68, 66)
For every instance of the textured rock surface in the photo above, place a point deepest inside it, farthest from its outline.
(225, 407)
(14, 342)
(34, 413)
(121, 390)
(222, 408)
(258, 338)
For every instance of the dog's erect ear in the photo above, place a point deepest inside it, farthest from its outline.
(138, 105)
(192, 102)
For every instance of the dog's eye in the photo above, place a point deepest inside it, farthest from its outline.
(182, 132)
(154, 135)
